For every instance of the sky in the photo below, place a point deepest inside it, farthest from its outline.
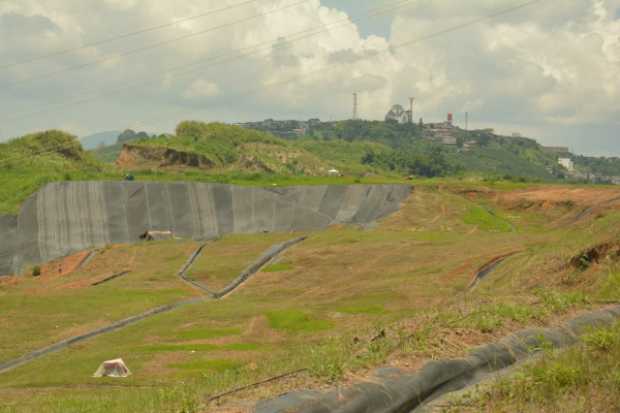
(548, 70)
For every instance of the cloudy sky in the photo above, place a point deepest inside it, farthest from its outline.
(550, 70)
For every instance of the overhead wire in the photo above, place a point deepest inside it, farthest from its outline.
(309, 32)
(225, 58)
(152, 46)
(411, 42)
(125, 35)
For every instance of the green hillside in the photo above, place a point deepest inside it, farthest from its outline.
(488, 154)
(30, 162)
(217, 147)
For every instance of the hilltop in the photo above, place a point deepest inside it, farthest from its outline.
(222, 148)
(31, 161)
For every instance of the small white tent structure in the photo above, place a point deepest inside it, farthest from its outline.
(112, 368)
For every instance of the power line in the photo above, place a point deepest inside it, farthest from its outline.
(308, 33)
(125, 35)
(401, 45)
(221, 59)
(153, 45)
(408, 43)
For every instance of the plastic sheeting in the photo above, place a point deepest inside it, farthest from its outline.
(63, 218)
(8, 242)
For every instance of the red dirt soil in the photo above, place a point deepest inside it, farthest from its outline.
(579, 196)
(63, 266)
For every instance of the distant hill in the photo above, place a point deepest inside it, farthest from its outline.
(96, 140)
(110, 152)
(417, 149)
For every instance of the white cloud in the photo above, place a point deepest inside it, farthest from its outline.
(550, 67)
(200, 89)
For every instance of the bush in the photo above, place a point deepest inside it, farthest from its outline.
(36, 271)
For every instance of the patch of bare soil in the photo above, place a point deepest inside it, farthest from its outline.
(63, 266)
(137, 157)
(578, 203)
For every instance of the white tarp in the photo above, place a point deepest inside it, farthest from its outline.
(113, 368)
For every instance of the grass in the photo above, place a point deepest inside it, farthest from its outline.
(584, 378)
(278, 267)
(222, 261)
(345, 300)
(293, 321)
(486, 220)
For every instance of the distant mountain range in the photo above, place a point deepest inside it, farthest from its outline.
(102, 138)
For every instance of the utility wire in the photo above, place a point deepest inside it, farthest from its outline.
(223, 58)
(154, 45)
(401, 45)
(373, 12)
(125, 35)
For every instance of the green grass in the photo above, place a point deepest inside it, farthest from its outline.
(485, 220)
(217, 365)
(295, 321)
(584, 378)
(205, 334)
(278, 267)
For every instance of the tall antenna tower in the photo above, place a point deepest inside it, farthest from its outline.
(411, 100)
(355, 106)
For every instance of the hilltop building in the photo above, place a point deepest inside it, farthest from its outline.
(283, 128)
(444, 132)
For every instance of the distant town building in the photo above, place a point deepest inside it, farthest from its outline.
(567, 163)
(290, 129)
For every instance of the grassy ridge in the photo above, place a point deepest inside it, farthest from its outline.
(28, 163)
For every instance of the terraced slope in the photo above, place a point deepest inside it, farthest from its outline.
(345, 300)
